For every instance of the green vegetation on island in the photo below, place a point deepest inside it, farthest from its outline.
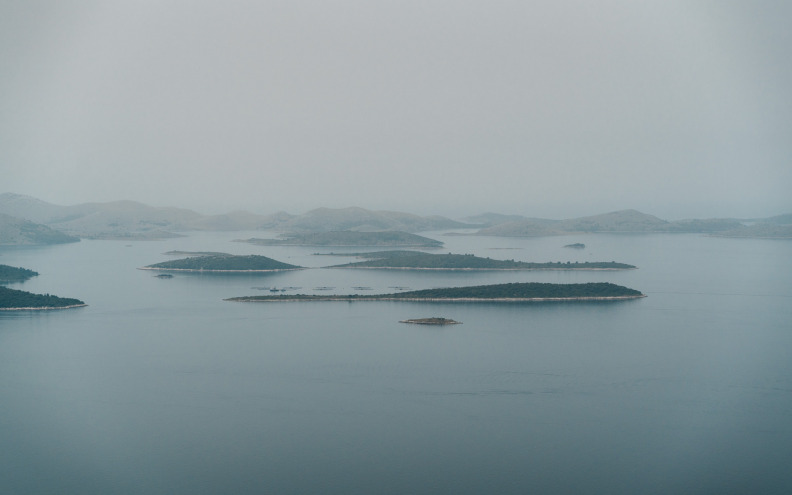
(224, 263)
(512, 292)
(414, 260)
(348, 238)
(196, 253)
(431, 321)
(13, 274)
(19, 299)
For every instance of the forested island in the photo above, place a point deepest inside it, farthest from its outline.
(224, 263)
(10, 274)
(12, 299)
(348, 238)
(416, 260)
(512, 292)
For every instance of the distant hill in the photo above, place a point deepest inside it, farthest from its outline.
(17, 231)
(240, 220)
(617, 221)
(349, 238)
(360, 219)
(705, 225)
(759, 230)
(130, 219)
(29, 208)
(491, 219)
(113, 220)
(120, 218)
(777, 227)
(777, 220)
(522, 228)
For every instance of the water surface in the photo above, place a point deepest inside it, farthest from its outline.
(160, 386)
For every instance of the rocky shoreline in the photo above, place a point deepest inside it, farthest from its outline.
(431, 321)
(198, 270)
(44, 308)
(478, 269)
(435, 299)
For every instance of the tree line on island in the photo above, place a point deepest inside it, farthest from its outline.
(223, 263)
(383, 260)
(529, 291)
(20, 299)
(9, 274)
(420, 260)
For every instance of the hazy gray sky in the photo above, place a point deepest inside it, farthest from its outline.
(546, 108)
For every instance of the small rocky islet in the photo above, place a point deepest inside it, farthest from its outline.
(431, 321)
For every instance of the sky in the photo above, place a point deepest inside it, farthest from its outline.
(556, 109)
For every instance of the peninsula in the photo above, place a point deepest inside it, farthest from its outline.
(415, 260)
(13, 274)
(223, 263)
(12, 299)
(348, 238)
(512, 292)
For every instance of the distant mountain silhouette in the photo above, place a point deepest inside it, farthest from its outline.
(616, 221)
(130, 219)
(18, 231)
(360, 219)
(133, 220)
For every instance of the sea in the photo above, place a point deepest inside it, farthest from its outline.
(160, 386)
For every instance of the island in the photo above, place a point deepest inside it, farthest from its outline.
(15, 231)
(758, 231)
(348, 238)
(196, 253)
(511, 292)
(577, 245)
(10, 274)
(431, 321)
(416, 260)
(224, 263)
(13, 300)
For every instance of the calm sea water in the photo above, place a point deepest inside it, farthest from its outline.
(160, 386)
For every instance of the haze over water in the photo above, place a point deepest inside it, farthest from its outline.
(160, 386)
(547, 109)
(678, 109)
